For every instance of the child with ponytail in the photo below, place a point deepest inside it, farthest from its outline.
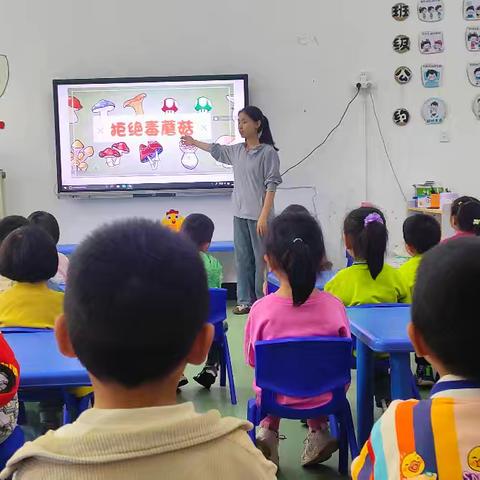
(295, 252)
(369, 279)
(465, 218)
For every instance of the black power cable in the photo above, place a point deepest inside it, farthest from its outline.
(379, 127)
(329, 133)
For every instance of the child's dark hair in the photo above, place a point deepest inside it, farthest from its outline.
(366, 229)
(137, 298)
(296, 209)
(295, 245)
(47, 222)
(257, 116)
(468, 217)
(422, 232)
(445, 305)
(458, 202)
(198, 228)
(11, 223)
(28, 255)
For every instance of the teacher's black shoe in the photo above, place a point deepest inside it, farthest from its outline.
(241, 310)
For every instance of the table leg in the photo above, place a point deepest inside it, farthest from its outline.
(401, 376)
(364, 392)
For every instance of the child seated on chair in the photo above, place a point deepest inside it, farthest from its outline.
(295, 252)
(369, 280)
(421, 233)
(465, 218)
(8, 225)
(199, 229)
(28, 257)
(454, 220)
(136, 311)
(438, 437)
(48, 222)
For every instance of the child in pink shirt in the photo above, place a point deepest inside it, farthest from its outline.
(465, 218)
(295, 251)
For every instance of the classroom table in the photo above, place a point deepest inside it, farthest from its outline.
(380, 329)
(41, 363)
(221, 246)
(273, 283)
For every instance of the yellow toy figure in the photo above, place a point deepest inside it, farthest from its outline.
(173, 220)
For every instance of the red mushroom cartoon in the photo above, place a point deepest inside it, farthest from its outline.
(169, 105)
(136, 103)
(111, 156)
(150, 153)
(73, 105)
(122, 147)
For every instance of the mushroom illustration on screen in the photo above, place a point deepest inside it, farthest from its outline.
(136, 103)
(169, 105)
(79, 155)
(102, 108)
(111, 156)
(74, 106)
(189, 158)
(122, 147)
(204, 105)
(150, 153)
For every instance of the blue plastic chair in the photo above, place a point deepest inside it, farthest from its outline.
(306, 367)
(11, 445)
(217, 315)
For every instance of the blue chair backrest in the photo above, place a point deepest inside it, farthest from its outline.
(218, 305)
(381, 305)
(303, 367)
(24, 330)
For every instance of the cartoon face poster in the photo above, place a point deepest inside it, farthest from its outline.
(473, 71)
(431, 42)
(472, 39)
(471, 9)
(432, 75)
(431, 10)
(476, 107)
(434, 111)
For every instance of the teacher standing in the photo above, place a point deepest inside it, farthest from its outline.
(256, 168)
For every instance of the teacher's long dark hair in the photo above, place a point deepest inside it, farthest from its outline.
(295, 246)
(264, 129)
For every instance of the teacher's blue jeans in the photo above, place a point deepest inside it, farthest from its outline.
(249, 252)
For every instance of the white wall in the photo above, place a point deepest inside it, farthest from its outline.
(302, 85)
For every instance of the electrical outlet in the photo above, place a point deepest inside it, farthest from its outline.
(365, 81)
(444, 136)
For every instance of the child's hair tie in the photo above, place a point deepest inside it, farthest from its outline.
(298, 239)
(372, 218)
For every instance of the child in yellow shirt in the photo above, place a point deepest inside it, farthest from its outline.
(369, 279)
(421, 233)
(28, 256)
(7, 226)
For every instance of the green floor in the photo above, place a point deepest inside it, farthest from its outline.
(218, 398)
